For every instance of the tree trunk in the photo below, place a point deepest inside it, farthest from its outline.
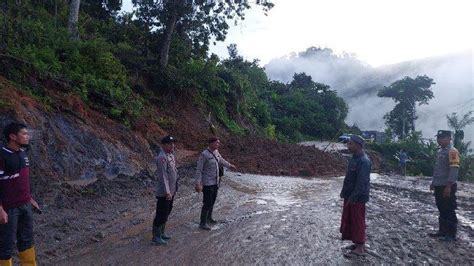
(55, 14)
(3, 42)
(165, 48)
(73, 19)
(403, 127)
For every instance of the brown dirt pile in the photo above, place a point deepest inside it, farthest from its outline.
(262, 156)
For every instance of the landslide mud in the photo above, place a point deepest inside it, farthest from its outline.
(277, 220)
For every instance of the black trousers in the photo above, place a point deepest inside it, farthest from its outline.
(447, 216)
(208, 200)
(19, 227)
(163, 210)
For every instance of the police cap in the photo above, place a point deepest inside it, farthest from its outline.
(167, 139)
(444, 133)
(358, 139)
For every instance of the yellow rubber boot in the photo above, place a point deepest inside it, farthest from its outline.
(6, 262)
(27, 257)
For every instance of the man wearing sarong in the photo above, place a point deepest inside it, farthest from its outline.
(355, 193)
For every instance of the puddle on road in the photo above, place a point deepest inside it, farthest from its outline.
(277, 192)
(261, 202)
(281, 200)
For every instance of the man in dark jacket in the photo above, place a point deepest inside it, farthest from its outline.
(355, 193)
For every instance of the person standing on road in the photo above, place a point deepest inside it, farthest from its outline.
(403, 159)
(445, 175)
(355, 192)
(16, 203)
(166, 189)
(208, 174)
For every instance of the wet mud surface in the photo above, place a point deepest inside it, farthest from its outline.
(274, 220)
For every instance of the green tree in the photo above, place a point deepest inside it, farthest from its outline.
(307, 109)
(101, 9)
(466, 169)
(198, 21)
(458, 124)
(407, 93)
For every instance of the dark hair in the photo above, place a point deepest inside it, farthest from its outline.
(212, 140)
(12, 128)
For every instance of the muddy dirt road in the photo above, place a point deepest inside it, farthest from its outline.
(285, 220)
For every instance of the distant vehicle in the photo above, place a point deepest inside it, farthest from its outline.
(373, 136)
(344, 138)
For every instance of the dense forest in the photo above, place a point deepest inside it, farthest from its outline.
(121, 63)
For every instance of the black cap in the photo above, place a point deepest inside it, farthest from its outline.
(444, 133)
(167, 139)
(212, 140)
(358, 139)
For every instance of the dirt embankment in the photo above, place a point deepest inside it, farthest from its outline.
(262, 156)
(82, 144)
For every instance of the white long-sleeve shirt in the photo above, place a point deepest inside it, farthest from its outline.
(207, 171)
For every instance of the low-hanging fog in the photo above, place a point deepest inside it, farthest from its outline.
(358, 83)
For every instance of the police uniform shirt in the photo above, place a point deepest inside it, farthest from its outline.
(446, 166)
(207, 172)
(167, 174)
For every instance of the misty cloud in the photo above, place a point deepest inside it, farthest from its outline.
(358, 83)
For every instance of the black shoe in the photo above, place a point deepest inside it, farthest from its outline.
(437, 234)
(448, 239)
(204, 227)
(350, 247)
(211, 221)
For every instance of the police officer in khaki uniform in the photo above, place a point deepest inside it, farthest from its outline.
(208, 179)
(166, 189)
(445, 175)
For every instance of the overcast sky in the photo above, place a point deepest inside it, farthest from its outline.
(377, 31)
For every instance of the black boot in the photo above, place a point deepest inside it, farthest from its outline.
(157, 240)
(209, 218)
(163, 235)
(451, 230)
(450, 235)
(203, 224)
(442, 229)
